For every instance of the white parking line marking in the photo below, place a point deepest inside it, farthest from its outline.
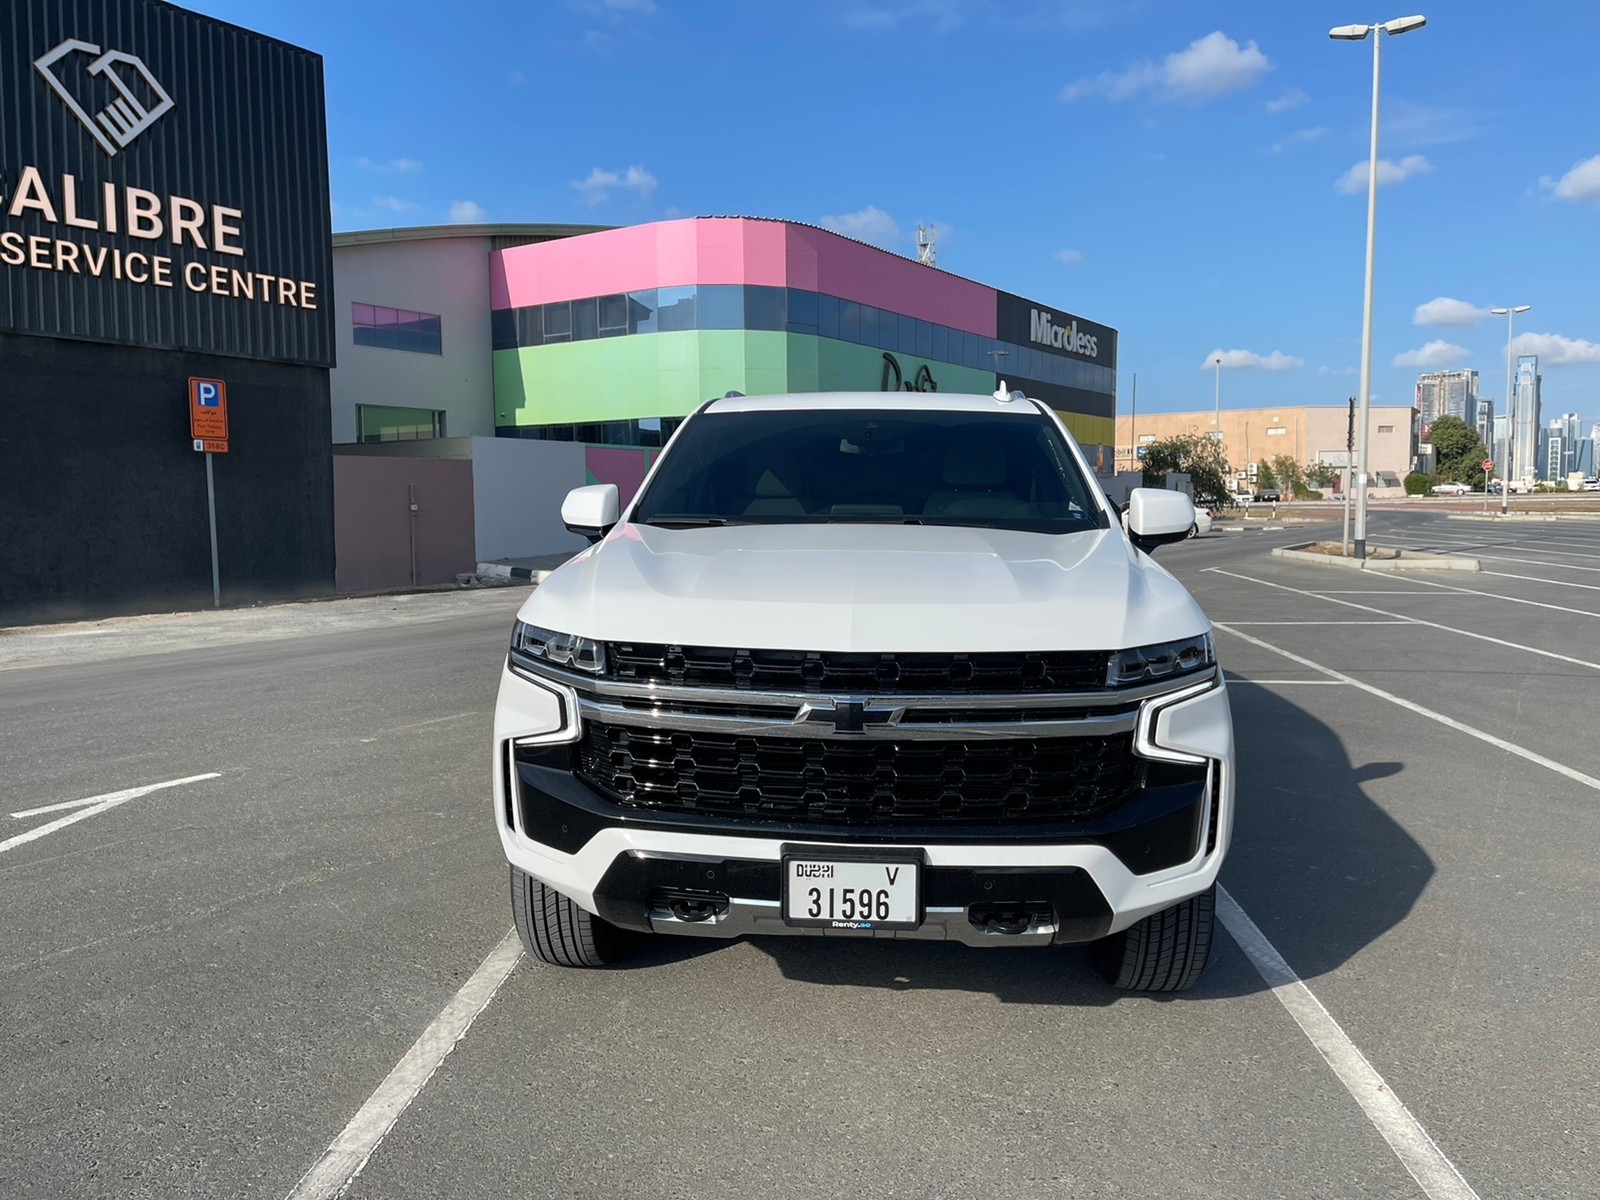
(348, 1153)
(1576, 776)
(1283, 682)
(93, 806)
(1590, 587)
(1395, 622)
(1434, 583)
(1412, 1145)
(1467, 633)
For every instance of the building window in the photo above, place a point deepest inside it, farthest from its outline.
(1385, 428)
(397, 329)
(384, 423)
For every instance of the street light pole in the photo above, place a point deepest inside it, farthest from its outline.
(1510, 314)
(1217, 420)
(1355, 33)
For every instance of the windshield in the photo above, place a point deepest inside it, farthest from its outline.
(1010, 471)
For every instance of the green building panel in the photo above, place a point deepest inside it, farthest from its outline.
(669, 374)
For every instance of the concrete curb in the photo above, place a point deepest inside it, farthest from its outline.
(1524, 516)
(502, 571)
(1410, 560)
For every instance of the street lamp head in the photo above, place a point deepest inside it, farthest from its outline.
(1350, 33)
(1498, 312)
(1522, 308)
(1404, 24)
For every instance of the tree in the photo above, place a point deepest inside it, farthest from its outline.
(1458, 450)
(1320, 475)
(1196, 455)
(1288, 475)
(1264, 476)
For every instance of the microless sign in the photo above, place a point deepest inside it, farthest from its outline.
(163, 182)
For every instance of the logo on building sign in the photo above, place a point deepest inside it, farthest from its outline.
(893, 381)
(1043, 330)
(133, 99)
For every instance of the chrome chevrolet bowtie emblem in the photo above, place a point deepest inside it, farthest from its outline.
(849, 715)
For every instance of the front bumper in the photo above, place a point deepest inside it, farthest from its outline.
(1072, 882)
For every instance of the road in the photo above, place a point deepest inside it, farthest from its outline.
(202, 985)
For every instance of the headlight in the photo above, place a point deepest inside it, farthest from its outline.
(1146, 664)
(558, 649)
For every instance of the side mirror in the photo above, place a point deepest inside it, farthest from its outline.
(591, 511)
(1156, 517)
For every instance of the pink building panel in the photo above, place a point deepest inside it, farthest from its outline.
(736, 250)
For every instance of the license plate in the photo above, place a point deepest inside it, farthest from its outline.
(830, 891)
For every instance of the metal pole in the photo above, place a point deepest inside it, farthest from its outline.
(1511, 420)
(211, 511)
(1133, 430)
(1366, 307)
(1349, 449)
(1217, 420)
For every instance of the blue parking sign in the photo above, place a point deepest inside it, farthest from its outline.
(207, 394)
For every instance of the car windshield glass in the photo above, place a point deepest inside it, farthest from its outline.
(888, 466)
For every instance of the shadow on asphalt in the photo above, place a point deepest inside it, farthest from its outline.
(1321, 868)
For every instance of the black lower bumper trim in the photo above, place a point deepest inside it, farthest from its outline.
(1081, 911)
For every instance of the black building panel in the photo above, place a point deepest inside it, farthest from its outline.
(163, 182)
(1028, 323)
(103, 499)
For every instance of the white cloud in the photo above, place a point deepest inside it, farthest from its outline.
(1293, 98)
(1580, 183)
(614, 10)
(1406, 123)
(1299, 135)
(1070, 257)
(597, 188)
(1338, 371)
(869, 224)
(1246, 360)
(941, 15)
(1445, 311)
(1355, 179)
(1554, 350)
(1205, 69)
(393, 203)
(1437, 353)
(395, 166)
(466, 212)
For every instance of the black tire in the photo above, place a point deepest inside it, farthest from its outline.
(1165, 952)
(1194, 530)
(556, 931)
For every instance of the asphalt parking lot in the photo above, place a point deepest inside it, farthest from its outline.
(203, 985)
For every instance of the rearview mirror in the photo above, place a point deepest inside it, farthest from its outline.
(591, 511)
(1156, 517)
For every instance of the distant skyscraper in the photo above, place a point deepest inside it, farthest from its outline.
(1484, 422)
(1589, 452)
(1446, 394)
(1525, 453)
(1560, 451)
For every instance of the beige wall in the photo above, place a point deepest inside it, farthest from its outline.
(448, 276)
(1308, 433)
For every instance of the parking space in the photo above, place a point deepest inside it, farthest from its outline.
(205, 983)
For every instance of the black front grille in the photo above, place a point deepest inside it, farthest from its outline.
(837, 671)
(866, 781)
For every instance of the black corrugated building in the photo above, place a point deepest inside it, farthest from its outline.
(163, 215)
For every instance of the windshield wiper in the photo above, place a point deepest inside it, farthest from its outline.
(685, 521)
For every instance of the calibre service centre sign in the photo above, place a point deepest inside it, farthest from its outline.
(163, 182)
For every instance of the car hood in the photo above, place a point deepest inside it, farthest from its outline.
(875, 588)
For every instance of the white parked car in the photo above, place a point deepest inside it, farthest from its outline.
(860, 666)
(1450, 489)
(1202, 522)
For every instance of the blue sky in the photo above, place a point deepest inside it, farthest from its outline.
(1180, 171)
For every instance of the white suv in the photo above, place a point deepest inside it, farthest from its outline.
(863, 665)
